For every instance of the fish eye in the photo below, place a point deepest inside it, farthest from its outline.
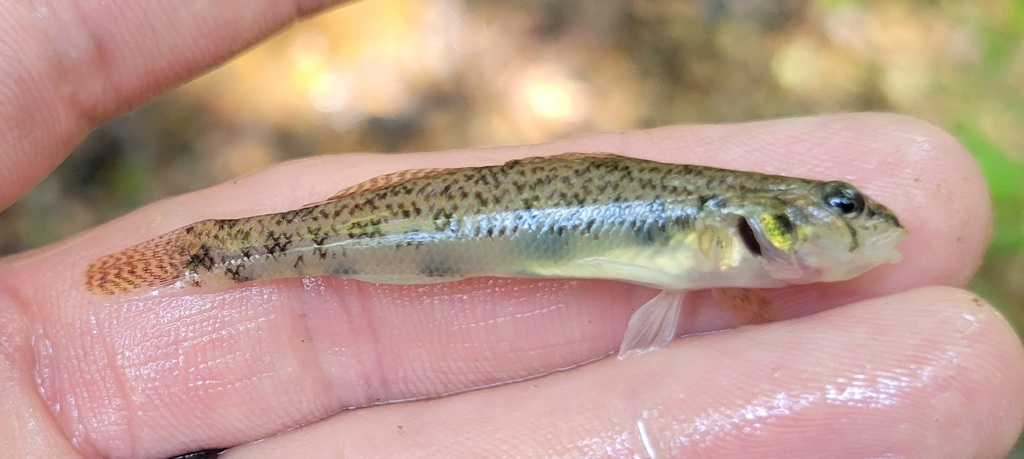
(843, 199)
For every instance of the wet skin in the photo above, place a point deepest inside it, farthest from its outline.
(900, 361)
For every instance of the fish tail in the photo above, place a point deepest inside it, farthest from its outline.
(158, 262)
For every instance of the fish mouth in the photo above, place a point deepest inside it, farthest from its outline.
(884, 246)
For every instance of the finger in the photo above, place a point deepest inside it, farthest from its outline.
(68, 66)
(26, 425)
(221, 368)
(928, 373)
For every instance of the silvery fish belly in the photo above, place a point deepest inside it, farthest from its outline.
(670, 226)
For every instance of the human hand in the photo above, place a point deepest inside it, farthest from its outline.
(885, 366)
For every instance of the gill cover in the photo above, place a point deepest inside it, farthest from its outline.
(774, 237)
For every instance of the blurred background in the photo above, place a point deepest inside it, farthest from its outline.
(403, 75)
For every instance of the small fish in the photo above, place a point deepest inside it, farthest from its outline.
(601, 216)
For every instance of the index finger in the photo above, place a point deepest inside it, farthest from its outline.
(68, 66)
(244, 363)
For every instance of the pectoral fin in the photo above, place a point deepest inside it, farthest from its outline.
(653, 325)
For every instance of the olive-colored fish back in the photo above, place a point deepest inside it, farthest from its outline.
(529, 215)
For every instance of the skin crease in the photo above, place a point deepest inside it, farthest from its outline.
(900, 369)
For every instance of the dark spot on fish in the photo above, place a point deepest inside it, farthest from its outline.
(345, 271)
(528, 202)
(648, 232)
(237, 275)
(438, 268)
(785, 224)
(747, 236)
(481, 200)
(716, 202)
(201, 258)
(442, 220)
(552, 243)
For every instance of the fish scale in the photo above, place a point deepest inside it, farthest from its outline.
(671, 226)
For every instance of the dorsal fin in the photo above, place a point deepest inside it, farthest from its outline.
(380, 182)
(387, 180)
(574, 156)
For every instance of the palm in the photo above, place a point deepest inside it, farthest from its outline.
(162, 376)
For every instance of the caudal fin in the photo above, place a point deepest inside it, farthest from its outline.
(156, 263)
